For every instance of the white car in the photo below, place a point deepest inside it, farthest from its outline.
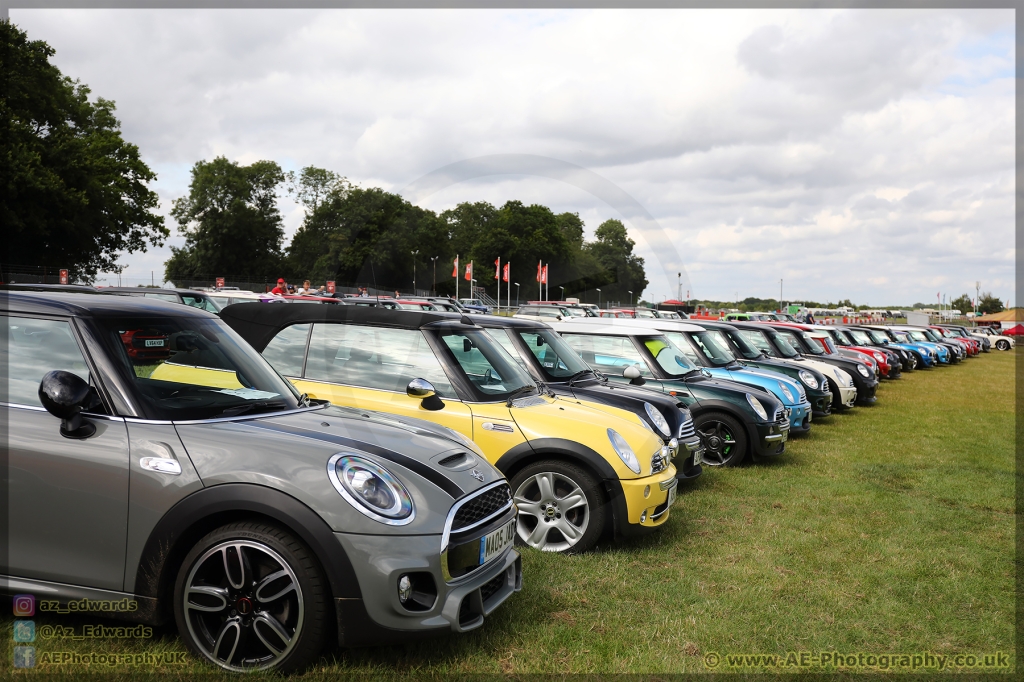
(998, 341)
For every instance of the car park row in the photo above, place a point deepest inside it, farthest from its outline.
(274, 477)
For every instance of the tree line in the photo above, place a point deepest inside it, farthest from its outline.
(352, 235)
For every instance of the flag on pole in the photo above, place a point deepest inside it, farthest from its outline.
(497, 267)
(469, 270)
(544, 275)
(504, 276)
(455, 270)
(538, 271)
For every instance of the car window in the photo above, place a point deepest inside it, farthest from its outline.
(557, 359)
(188, 368)
(287, 350)
(373, 357)
(488, 367)
(670, 357)
(713, 344)
(860, 337)
(574, 312)
(747, 349)
(30, 349)
(164, 297)
(786, 348)
(200, 302)
(640, 312)
(608, 354)
(501, 337)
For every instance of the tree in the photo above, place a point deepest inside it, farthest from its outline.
(230, 221)
(988, 304)
(312, 185)
(75, 193)
(963, 304)
(613, 249)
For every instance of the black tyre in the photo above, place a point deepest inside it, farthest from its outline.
(1003, 344)
(251, 596)
(725, 439)
(562, 507)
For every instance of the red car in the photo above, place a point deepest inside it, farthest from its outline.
(146, 345)
(860, 354)
(973, 346)
(887, 364)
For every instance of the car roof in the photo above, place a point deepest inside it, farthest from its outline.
(153, 290)
(88, 304)
(496, 321)
(70, 288)
(604, 329)
(258, 323)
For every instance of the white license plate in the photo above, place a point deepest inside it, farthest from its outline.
(672, 494)
(154, 342)
(785, 435)
(495, 542)
(698, 456)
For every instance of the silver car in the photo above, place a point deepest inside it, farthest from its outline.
(160, 469)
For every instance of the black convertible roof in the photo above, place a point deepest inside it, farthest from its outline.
(91, 304)
(258, 323)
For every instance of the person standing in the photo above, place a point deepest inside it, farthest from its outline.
(281, 288)
(306, 289)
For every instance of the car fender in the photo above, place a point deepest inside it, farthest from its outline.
(202, 511)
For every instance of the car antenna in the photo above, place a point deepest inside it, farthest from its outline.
(465, 320)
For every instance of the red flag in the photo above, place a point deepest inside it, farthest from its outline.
(497, 267)
(455, 270)
(504, 276)
(538, 271)
(544, 275)
(469, 271)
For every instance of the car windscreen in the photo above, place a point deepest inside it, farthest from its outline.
(860, 337)
(840, 337)
(813, 345)
(918, 336)
(745, 347)
(901, 337)
(670, 357)
(557, 360)
(879, 337)
(186, 368)
(714, 345)
(491, 372)
(574, 312)
(201, 302)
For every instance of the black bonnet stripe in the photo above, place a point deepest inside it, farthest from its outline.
(424, 470)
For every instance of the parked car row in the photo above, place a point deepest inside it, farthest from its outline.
(267, 476)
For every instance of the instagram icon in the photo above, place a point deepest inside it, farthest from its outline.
(24, 605)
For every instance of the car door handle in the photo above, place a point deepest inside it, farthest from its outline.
(163, 465)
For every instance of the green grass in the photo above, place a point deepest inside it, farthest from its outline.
(889, 529)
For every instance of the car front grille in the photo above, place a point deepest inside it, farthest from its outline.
(482, 506)
(780, 414)
(686, 431)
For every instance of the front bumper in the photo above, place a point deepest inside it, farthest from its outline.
(799, 418)
(637, 512)
(460, 605)
(769, 440)
(847, 394)
(821, 403)
(688, 460)
(866, 392)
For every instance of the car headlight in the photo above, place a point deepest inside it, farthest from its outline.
(673, 445)
(808, 379)
(862, 370)
(757, 407)
(658, 420)
(623, 450)
(786, 392)
(844, 378)
(371, 489)
(879, 357)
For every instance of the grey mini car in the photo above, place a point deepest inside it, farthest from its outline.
(156, 460)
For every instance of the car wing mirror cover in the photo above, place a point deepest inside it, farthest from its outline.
(66, 395)
(425, 391)
(633, 374)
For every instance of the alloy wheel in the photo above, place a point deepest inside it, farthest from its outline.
(243, 605)
(719, 442)
(553, 511)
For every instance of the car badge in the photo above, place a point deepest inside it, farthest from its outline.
(477, 475)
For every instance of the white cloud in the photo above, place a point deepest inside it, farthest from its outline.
(864, 154)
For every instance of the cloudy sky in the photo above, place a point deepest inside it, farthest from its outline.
(864, 154)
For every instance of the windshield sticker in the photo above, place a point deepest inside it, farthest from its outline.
(248, 393)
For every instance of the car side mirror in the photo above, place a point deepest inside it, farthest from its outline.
(540, 341)
(425, 391)
(558, 317)
(66, 396)
(633, 374)
(467, 345)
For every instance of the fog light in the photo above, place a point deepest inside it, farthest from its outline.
(404, 589)
(673, 445)
(643, 516)
(647, 491)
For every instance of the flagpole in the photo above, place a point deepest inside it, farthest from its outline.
(508, 290)
(457, 277)
(540, 285)
(497, 276)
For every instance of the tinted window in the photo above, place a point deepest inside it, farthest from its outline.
(30, 349)
(714, 345)
(747, 349)
(200, 302)
(487, 366)
(501, 337)
(609, 354)
(373, 357)
(557, 359)
(286, 351)
(195, 368)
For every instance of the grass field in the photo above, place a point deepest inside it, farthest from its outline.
(888, 530)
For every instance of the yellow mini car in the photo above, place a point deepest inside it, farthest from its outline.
(576, 470)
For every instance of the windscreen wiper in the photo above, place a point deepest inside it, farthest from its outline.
(580, 374)
(249, 407)
(518, 392)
